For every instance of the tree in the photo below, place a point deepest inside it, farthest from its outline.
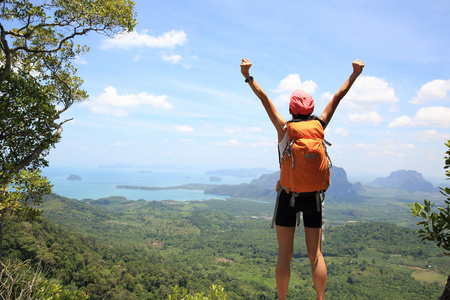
(19, 280)
(38, 83)
(217, 293)
(436, 224)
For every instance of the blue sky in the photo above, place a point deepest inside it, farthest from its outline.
(171, 95)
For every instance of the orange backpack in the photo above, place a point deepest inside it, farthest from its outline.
(304, 163)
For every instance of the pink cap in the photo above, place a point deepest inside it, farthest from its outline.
(301, 103)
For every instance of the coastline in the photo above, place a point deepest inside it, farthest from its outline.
(134, 184)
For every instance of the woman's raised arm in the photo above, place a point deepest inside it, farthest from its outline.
(329, 110)
(277, 120)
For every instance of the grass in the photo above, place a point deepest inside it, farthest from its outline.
(427, 276)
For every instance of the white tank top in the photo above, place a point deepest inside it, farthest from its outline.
(283, 144)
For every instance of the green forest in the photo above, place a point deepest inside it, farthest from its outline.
(114, 248)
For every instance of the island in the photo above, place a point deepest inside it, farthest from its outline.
(74, 177)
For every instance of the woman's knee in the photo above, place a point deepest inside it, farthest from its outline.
(285, 236)
(314, 255)
(286, 254)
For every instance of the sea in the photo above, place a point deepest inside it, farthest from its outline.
(101, 182)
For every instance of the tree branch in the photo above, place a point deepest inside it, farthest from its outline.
(40, 148)
(75, 33)
(8, 54)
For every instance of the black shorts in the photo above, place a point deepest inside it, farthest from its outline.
(306, 203)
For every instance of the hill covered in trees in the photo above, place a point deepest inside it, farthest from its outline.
(123, 249)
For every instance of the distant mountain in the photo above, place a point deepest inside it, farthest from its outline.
(249, 173)
(407, 180)
(340, 188)
(264, 187)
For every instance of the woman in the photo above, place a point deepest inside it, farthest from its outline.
(301, 106)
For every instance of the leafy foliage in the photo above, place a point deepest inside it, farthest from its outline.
(28, 187)
(217, 293)
(27, 117)
(37, 74)
(38, 83)
(436, 224)
(26, 122)
(19, 280)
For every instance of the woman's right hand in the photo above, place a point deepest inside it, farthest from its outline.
(357, 66)
(245, 67)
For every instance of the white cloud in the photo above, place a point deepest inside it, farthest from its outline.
(364, 98)
(254, 129)
(406, 146)
(111, 103)
(401, 122)
(368, 92)
(387, 147)
(184, 128)
(187, 62)
(291, 83)
(124, 40)
(235, 130)
(232, 130)
(186, 140)
(137, 58)
(173, 58)
(341, 131)
(366, 146)
(435, 116)
(80, 60)
(327, 96)
(262, 145)
(228, 143)
(431, 135)
(367, 117)
(433, 91)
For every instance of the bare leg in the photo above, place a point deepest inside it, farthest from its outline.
(285, 236)
(319, 269)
